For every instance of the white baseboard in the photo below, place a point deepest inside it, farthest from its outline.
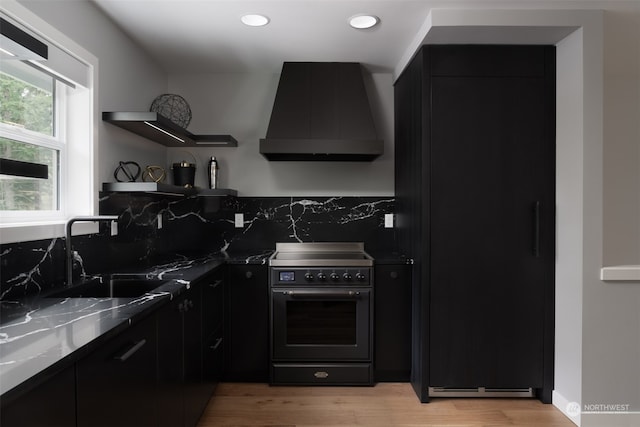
(567, 407)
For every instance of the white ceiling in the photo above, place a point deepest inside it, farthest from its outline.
(207, 35)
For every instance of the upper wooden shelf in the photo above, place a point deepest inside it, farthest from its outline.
(160, 129)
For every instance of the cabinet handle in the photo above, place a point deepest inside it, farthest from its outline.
(248, 274)
(217, 344)
(215, 284)
(131, 351)
(536, 229)
(322, 294)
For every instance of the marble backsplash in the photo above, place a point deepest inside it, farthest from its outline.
(191, 226)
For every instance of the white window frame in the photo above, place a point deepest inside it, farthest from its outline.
(78, 167)
(56, 142)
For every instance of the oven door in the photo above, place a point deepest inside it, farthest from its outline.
(312, 324)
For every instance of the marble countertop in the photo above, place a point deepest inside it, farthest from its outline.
(54, 332)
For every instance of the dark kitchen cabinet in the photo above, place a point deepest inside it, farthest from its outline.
(247, 346)
(183, 391)
(116, 384)
(195, 390)
(50, 404)
(213, 291)
(392, 308)
(475, 198)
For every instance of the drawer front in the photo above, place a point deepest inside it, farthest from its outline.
(325, 373)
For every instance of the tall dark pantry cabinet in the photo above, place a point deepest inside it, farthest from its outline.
(475, 191)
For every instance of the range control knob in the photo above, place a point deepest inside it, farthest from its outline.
(321, 276)
(360, 276)
(308, 277)
(334, 277)
(346, 276)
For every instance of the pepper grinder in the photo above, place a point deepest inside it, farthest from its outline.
(213, 173)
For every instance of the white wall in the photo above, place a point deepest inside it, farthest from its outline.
(569, 223)
(128, 78)
(240, 105)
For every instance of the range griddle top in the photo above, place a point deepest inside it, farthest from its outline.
(320, 254)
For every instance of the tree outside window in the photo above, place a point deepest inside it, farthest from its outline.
(27, 114)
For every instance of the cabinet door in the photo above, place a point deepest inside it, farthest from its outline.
(213, 291)
(213, 302)
(170, 407)
(50, 404)
(195, 393)
(392, 294)
(116, 384)
(214, 359)
(491, 217)
(248, 324)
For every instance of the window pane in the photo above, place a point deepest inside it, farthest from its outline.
(26, 97)
(29, 194)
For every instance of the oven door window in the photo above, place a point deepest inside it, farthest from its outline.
(321, 323)
(328, 324)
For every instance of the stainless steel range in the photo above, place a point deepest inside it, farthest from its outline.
(321, 314)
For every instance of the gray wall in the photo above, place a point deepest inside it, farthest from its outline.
(128, 79)
(240, 105)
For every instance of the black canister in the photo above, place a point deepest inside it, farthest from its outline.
(184, 174)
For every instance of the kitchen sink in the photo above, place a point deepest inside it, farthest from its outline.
(110, 286)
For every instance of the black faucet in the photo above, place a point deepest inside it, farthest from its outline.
(70, 223)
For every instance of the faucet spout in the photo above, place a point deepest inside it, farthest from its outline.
(69, 251)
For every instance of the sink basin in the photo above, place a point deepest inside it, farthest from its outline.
(110, 286)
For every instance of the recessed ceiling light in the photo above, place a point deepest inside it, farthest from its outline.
(363, 21)
(254, 20)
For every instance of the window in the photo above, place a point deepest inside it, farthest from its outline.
(48, 113)
(30, 131)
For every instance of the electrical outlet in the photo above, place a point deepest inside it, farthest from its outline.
(388, 220)
(239, 220)
(159, 221)
(114, 228)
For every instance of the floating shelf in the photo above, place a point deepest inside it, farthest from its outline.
(160, 188)
(160, 129)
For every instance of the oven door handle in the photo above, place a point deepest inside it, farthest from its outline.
(322, 294)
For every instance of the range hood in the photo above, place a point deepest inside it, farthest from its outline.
(321, 113)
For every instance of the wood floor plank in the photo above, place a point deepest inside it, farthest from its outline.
(386, 404)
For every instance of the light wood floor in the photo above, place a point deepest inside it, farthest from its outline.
(386, 404)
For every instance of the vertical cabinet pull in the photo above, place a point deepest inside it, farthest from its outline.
(536, 229)
(217, 344)
(131, 351)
